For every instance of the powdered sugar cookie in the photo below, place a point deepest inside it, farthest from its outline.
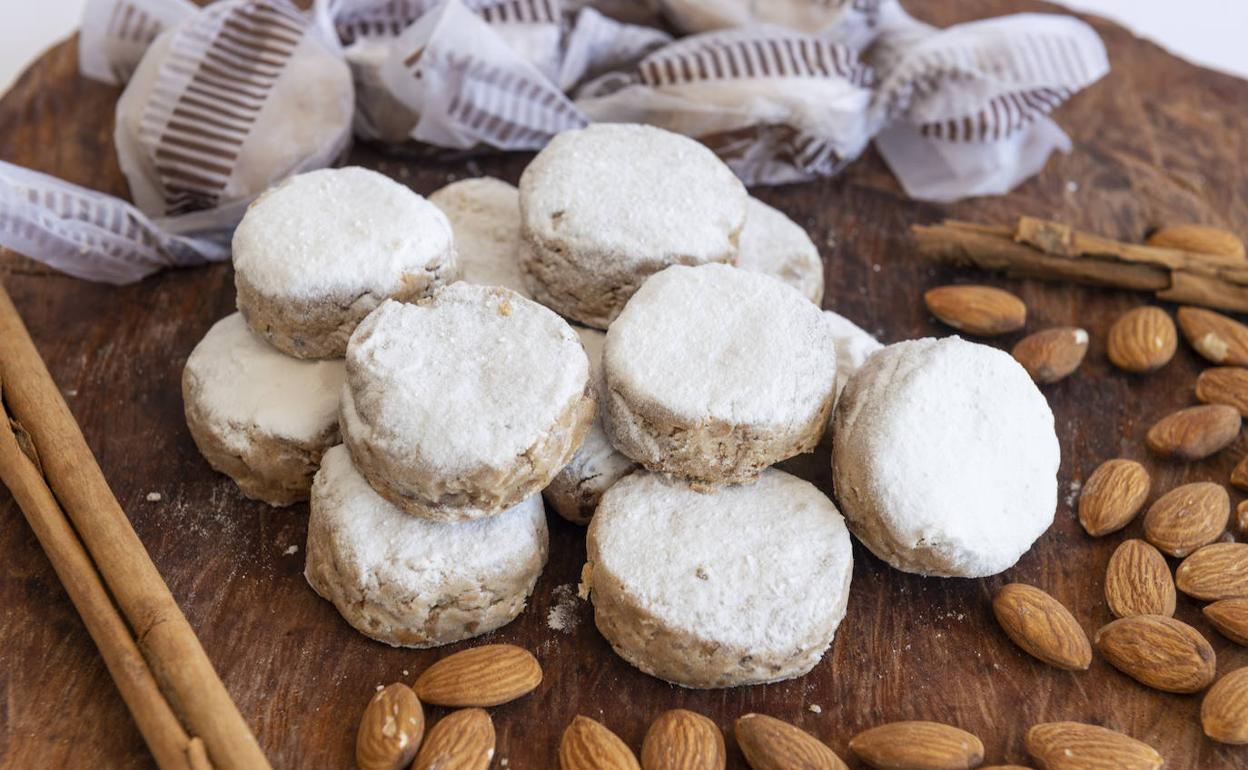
(606, 206)
(728, 586)
(574, 493)
(410, 582)
(772, 243)
(315, 254)
(260, 417)
(465, 404)
(944, 457)
(485, 216)
(714, 373)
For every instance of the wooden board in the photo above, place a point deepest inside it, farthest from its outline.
(1157, 141)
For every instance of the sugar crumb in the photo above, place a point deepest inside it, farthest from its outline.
(291, 551)
(153, 497)
(815, 708)
(562, 615)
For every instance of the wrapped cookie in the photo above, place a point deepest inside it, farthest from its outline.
(116, 33)
(847, 21)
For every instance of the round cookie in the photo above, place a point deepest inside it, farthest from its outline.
(713, 373)
(853, 346)
(605, 207)
(944, 458)
(410, 582)
(465, 404)
(719, 587)
(258, 416)
(574, 493)
(772, 243)
(485, 216)
(317, 253)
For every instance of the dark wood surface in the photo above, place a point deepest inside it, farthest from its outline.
(1157, 141)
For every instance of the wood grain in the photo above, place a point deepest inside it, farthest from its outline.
(1158, 141)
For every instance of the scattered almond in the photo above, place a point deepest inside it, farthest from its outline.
(1042, 627)
(980, 310)
(918, 746)
(462, 740)
(1159, 652)
(1224, 385)
(770, 744)
(1241, 516)
(1239, 478)
(1200, 239)
(1138, 582)
(1218, 338)
(1187, 517)
(390, 730)
(488, 675)
(683, 740)
(1003, 767)
(1230, 617)
(1076, 746)
(1194, 433)
(1112, 496)
(1218, 571)
(588, 745)
(1224, 711)
(1052, 354)
(1142, 339)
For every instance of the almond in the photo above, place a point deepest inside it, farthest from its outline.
(1230, 617)
(769, 744)
(588, 745)
(1187, 517)
(1138, 582)
(1112, 496)
(1158, 652)
(488, 675)
(462, 740)
(1198, 239)
(683, 740)
(1224, 385)
(1052, 354)
(1239, 478)
(1076, 746)
(1224, 711)
(1194, 433)
(390, 730)
(1040, 625)
(1218, 571)
(980, 310)
(1142, 339)
(919, 746)
(1241, 515)
(1216, 337)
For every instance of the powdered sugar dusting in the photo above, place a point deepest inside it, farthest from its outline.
(485, 215)
(562, 615)
(775, 245)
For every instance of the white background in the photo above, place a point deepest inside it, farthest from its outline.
(1209, 32)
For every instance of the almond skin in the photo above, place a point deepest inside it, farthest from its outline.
(1217, 571)
(918, 746)
(1112, 496)
(462, 740)
(483, 676)
(1199, 239)
(1241, 515)
(1239, 478)
(1224, 385)
(979, 310)
(683, 740)
(1076, 746)
(1230, 617)
(1186, 517)
(770, 744)
(588, 745)
(1138, 582)
(1224, 711)
(1042, 627)
(390, 730)
(1158, 652)
(1194, 433)
(1142, 340)
(1052, 354)
(1218, 338)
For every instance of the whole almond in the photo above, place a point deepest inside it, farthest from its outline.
(1239, 478)
(461, 740)
(1198, 239)
(979, 310)
(770, 744)
(390, 730)
(1224, 711)
(1224, 385)
(1217, 571)
(683, 740)
(1241, 516)
(1158, 652)
(1230, 617)
(1076, 746)
(488, 675)
(1194, 433)
(588, 745)
(1138, 581)
(1187, 517)
(1052, 354)
(918, 746)
(1003, 767)
(1142, 339)
(1112, 496)
(1042, 627)
(1218, 338)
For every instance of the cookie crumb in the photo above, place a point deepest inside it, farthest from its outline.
(562, 615)
(291, 551)
(153, 497)
(380, 687)
(815, 708)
